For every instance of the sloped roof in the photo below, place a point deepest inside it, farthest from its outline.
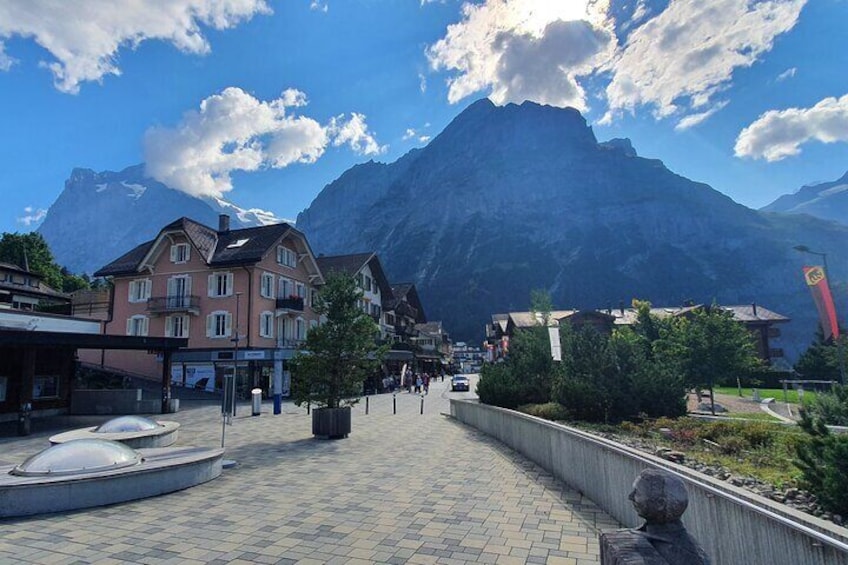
(348, 264)
(213, 246)
(530, 319)
(408, 291)
(741, 313)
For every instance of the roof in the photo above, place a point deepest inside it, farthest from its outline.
(741, 313)
(530, 319)
(407, 291)
(212, 245)
(17, 269)
(352, 264)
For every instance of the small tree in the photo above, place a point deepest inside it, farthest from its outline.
(820, 360)
(339, 354)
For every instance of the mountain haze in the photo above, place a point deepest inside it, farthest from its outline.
(827, 200)
(514, 198)
(100, 216)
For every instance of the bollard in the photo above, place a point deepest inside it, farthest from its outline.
(256, 401)
(366, 405)
(394, 403)
(308, 404)
(422, 403)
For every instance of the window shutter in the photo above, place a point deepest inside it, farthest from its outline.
(145, 325)
(188, 286)
(230, 284)
(169, 325)
(173, 254)
(187, 252)
(210, 285)
(147, 288)
(131, 295)
(172, 287)
(210, 324)
(228, 325)
(129, 326)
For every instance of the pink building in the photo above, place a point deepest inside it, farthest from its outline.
(210, 286)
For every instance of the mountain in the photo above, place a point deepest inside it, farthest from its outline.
(827, 200)
(520, 197)
(99, 216)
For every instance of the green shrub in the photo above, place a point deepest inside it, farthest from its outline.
(823, 461)
(498, 386)
(830, 407)
(549, 411)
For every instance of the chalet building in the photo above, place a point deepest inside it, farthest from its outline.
(21, 289)
(434, 347)
(761, 322)
(242, 298)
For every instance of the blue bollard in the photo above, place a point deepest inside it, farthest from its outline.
(278, 403)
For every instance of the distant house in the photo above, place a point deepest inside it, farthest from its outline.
(365, 268)
(434, 347)
(222, 289)
(761, 322)
(21, 289)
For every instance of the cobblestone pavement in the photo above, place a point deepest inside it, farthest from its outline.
(404, 488)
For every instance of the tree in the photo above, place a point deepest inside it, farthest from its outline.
(710, 348)
(30, 250)
(821, 360)
(338, 354)
(540, 303)
(823, 460)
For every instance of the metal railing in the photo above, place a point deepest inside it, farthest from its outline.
(160, 304)
(290, 303)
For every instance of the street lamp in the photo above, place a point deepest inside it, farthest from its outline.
(805, 249)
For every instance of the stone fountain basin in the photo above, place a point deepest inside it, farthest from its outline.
(162, 436)
(162, 470)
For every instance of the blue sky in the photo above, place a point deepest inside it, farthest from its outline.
(264, 102)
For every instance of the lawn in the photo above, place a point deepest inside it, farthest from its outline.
(792, 396)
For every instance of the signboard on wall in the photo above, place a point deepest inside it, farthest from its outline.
(200, 376)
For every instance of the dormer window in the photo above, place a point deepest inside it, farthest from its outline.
(179, 253)
(286, 256)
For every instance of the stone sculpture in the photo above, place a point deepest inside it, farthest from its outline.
(660, 498)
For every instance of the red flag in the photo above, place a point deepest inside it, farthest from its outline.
(817, 281)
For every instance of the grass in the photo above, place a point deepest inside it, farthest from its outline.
(760, 417)
(777, 393)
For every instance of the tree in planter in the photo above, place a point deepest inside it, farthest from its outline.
(340, 353)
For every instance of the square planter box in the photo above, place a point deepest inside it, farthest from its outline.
(331, 423)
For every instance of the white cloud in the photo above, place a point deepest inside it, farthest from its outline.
(354, 132)
(525, 49)
(233, 131)
(32, 215)
(694, 119)
(411, 133)
(778, 134)
(422, 82)
(319, 6)
(788, 73)
(84, 36)
(680, 60)
(6, 61)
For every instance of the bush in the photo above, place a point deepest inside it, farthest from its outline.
(823, 461)
(499, 387)
(830, 407)
(549, 411)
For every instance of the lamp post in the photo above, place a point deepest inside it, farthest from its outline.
(839, 346)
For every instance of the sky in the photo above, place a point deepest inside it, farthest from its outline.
(264, 102)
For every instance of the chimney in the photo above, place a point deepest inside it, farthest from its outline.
(223, 223)
(754, 307)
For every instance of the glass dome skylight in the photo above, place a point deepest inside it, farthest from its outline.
(79, 456)
(127, 424)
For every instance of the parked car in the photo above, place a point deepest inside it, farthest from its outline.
(459, 382)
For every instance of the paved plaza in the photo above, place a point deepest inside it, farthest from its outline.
(404, 488)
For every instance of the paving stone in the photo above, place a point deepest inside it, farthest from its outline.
(404, 488)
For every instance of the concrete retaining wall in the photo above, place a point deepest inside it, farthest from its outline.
(733, 525)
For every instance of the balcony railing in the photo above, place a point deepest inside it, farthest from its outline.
(168, 304)
(287, 343)
(291, 303)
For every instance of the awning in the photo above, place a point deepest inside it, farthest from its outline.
(398, 355)
(428, 357)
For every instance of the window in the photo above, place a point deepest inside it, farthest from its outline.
(266, 324)
(286, 256)
(390, 319)
(139, 290)
(220, 284)
(219, 324)
(3, 383)
(375, 309)
(367, 283)
(360, 278)
(300, 329)
(286, 287)
(179, 289)
(179, 253)
(138, 325)
(176, 326)
(300, 290)
(45, 386)
(313, 297)
(266, 288)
